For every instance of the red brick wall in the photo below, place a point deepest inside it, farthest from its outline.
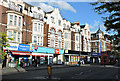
(27, 36)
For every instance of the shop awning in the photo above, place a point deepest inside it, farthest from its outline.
(42, 54)
(20, 53)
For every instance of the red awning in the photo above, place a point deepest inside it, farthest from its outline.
(20, 53)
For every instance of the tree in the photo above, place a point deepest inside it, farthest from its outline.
(3, 44)
(111, 11)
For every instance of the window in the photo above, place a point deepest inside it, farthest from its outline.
(15, 21)
(11, 20)
(76, 38)
(38, 40)
(96, 43)
(64, 25)
(60, 44)
(52, 43)
(96, 50)
(67, 26)
(67, 45)
(14, 36)
(19, 8)
(59, 33)
(59, 22)
(65, 35)
(19, 22)
(52, 32)
(38, 27)
(5, 0)
(9, 34)
(35, 39)
(52, 19)
(41, 39)
(35, 26)
(18, 37)
(41, 28)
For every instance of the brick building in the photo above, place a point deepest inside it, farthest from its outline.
(98, 43)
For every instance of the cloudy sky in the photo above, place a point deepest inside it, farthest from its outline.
(73, 10)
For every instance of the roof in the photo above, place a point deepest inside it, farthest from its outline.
(82, 26)
(99, 31)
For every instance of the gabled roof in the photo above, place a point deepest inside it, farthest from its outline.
(99, 31)
(82, 26)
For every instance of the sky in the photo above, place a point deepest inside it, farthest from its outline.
(74, 11)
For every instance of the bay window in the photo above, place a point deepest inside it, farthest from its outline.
(11, 20)
(35, 26)
(19, 23)
(14, 36)
(15, 21)
(9, 34)
(18, 37)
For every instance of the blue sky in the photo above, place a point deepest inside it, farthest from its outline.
(74, 11)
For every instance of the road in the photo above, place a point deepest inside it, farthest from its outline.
(82, 72)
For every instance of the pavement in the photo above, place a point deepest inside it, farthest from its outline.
(9, 70)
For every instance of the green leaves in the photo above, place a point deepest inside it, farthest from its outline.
(3, 43)
(111, 21)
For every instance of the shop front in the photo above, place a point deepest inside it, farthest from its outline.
(44, 55)
(95, 58)
(17, 53)
(85, 57)
(71, 57)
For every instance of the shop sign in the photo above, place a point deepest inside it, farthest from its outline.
(100, 46)
(24, 47)
(13, 46)
(36, 47)
(66, 51)
(56, 51)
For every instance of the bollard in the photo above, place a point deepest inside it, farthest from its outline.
(49, 72)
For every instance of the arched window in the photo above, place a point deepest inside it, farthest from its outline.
(52, 31)
(59, 33)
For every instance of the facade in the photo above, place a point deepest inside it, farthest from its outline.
(39, 31)
(98, 44)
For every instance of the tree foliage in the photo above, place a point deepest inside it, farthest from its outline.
(3, 43)
(111, 12)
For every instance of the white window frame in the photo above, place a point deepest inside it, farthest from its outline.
(52, 43)
(20, 21)
(10, 20)
(15, 20)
